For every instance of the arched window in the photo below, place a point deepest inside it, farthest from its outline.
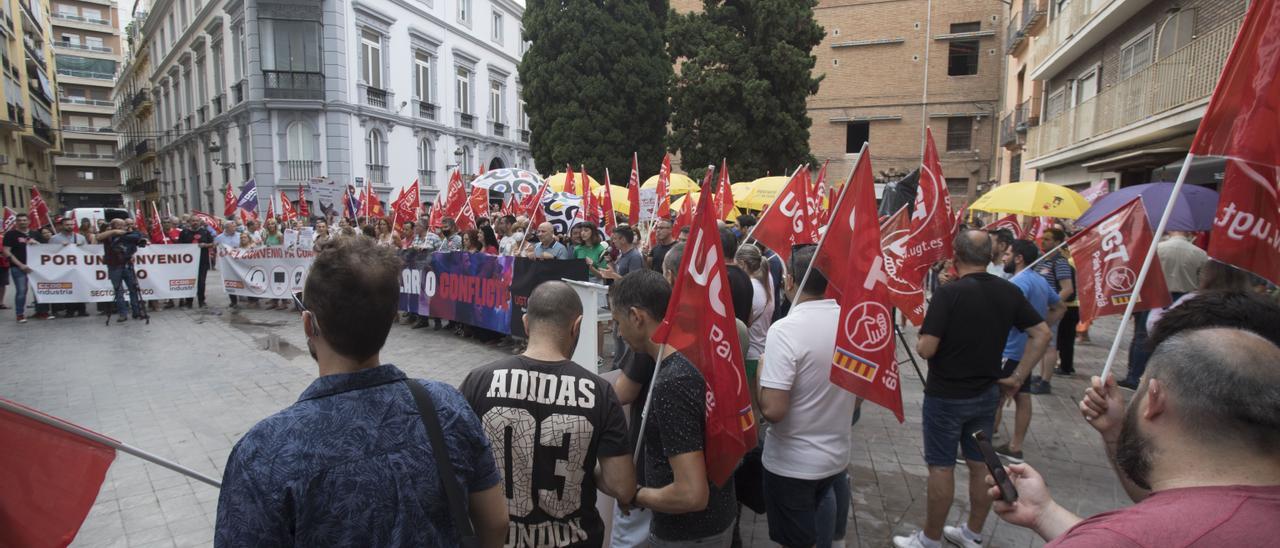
(376, 154)
(426, 163)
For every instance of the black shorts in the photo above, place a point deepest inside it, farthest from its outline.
(1007, 368)
(792, 507)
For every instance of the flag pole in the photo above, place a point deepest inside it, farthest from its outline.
(648, 398)
(99, 438)
(839, 201)
(1146, 265)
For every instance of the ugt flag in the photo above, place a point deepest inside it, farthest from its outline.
(700, 325)
(786, 222)
(1106, 254)
(1009, 222)
(1242, 124)
(863, 361)
(931, 222)
(906, 289)
(249, 198)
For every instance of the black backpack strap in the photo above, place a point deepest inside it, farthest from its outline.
(444, 466)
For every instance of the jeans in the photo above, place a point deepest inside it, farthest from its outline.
(1138, 352)
(124, 275)
(1067, 339)
(795, 508)
(835, 505)
(19, 290)
(201, 273)
(950, 422)
(718, 540)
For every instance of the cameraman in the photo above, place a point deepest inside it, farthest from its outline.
(119, 245)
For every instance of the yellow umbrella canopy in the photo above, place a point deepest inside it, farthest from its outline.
(557, 182)
(695, 196)
(762, 192)
(1034, 198)
(617, 195)
(680, 184)
(740, 191)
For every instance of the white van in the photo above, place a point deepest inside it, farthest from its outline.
(97, 213)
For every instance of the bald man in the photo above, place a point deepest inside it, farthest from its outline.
(548, 248)
(1201, 434)
(550, 422)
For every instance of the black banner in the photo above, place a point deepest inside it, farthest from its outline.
(529, 274)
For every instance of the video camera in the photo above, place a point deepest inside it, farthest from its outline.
(127, 244)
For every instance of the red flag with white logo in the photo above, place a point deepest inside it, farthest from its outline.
(208, 220)
(906, 290)
(303, 211)
(931, 222)
(785, 223)
(38, 209)
(140, 219)
(157, 229)
(570, 185)
(700, 325)
(863, 361)
(229, 203)
(1096, 190)
(606, 205)
(1107, 255)
(663, 210)
(405, 207)
(1241, 123)
(633, 193)
(1039, 226)
(816, 193)
(724, 193)
(271, 208)
(286, 208)
(455, 195)
(10, 219)
(1009, 222)
(51, 479)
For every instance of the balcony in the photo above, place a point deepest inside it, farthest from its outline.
(217, 104)
(499, 129)
(34, 53)
(377, 174)
(1015, 123)
(375, 97)
(17, 117)
(426, 111)
(71, 100)
(285, 84)
(145, 149)
(1173, 90)
(83, 47)
(466, 121)
(141, 101)
(524, 136)
(299, 170)
(187, 122)
(237, 92)
(201, 115)
(86, 74)
(30, 19)
(1078, 27)
(1033, 12)
(81, 19)
(41, 131)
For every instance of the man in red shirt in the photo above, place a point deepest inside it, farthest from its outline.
(1196, 447)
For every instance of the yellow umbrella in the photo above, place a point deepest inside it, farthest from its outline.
(740, 191)
(695, 196)
(763, 191)
(680, 184)
(618, 195)
(557, 182)
(1034, 198)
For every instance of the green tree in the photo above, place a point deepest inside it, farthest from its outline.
(596, 78)
(745, 73)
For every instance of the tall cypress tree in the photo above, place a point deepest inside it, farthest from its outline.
(596, 78)
(745, 73)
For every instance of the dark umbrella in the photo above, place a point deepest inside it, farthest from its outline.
(1193, 212)
(899, 193)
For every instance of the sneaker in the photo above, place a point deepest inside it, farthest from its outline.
(956, 536)
(1013, 456)
(122, 319)
(22, 319)
(1041, 388)
(42, 316)
(915, 540)
(1127, 384)
(1063, 372)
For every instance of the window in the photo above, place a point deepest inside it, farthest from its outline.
(855, 134)
(1086, 87)
(959, 134)
(65, 9)
(972, 26)
(425, 169)
(237, 35)
(1015, 167)
(957, 186)
(292, 46)
(1055, 104)
(371, 59)
(521, 117)
(301, 143)
(495, 103)
(422, 77)
(463, 90)
(464, 11)
(1177, 31)
(465, 166)
(93, 14)
(1135, 55)
(496, 35)
(86, 175)
(70, 39)
(217, 69)
(374, 148)
(962, 59)
(93, 42)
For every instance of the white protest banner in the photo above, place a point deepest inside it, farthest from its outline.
(327, 194)
(648, 203)
(78, 273)
(268, 272)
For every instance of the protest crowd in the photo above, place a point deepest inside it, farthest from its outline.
(742, 348)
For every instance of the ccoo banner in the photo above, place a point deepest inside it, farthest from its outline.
(267, 272)
(78, 274)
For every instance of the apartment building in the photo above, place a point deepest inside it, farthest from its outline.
(28, 137)
(134, 117)
(86, 46)
(280, 92)
(1113, 89)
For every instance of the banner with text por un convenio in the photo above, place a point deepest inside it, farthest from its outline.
(77, 273)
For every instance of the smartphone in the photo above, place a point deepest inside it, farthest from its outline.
(1007, 492)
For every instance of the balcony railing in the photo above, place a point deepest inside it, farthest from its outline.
(375, 97)
(85, 74)
(499, 129)
(1180, 78)
(1033, 12)
(237, 92)
(286, 84)
(83, 47)
(1015, 123)
(71, 100)
(377, 174)
(81, 19)
(201, 114)
(88, 156)
(299, 170)
(524, 136)
(140, 97)
(84, 129)
(42, 130)
(426, 110)
(466, 121)
(145, 146)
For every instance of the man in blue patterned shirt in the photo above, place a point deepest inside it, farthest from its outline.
(350, 464)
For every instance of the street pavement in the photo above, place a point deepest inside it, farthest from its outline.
(190, 384)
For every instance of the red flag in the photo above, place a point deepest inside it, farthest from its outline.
(816, 191)
(606, 204)
(433, 221)
(785, 223)
(590, 207)
(271, 208)
(51, 479)
(157, 229)
(699, 324)
(1241, 123)
(229, 203)
(209, 220)
(37, 209)
(366, 208)
(570, 186)
(1104, 255)
(478, 205)
(10, 219)
(455, 195)
(376, 211)
(724, 192)
(663, 211)
(685, 216)
(633, 193)
(863, 361)
(906, 290)
(303, 211)
(286, 208)
(1041, 224)
(1096, 190)
(405, 207)
(140, 219)
(1010, 222)
(931, 222)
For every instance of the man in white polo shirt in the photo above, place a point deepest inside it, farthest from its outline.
(806, 448)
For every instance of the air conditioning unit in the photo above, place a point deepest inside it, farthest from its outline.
(4, 159)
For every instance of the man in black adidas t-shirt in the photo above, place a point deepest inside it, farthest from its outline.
(550, 421)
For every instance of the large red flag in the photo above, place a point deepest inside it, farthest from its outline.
(271, 208)
(38, 209)
(437, 210)
(931, 222)
(157, 229)
(785, 223)
(1105, 254)
(478, 205)
(1040, 225)
(663, 211)
(209, 220)
(140, 217)
(699, 324)
(286, 208)
(633, 192)
(863, 361)
(1010, 222)
(229, 203)
(570, 185)
(724, 192)
(303, 212)
(10, 219)
(454, 196)
(906, 290)
(51, 479)
(1241, 123)
(817, 190)
(606, 204)
(684, 217)
(402, 208)
(590, 207)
